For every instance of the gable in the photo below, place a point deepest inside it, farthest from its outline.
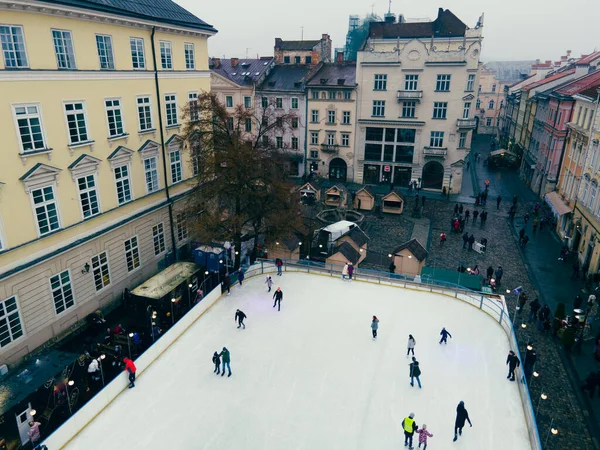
(83, 166)
(40, 175)
(121, 156)
(149, 149)
(468, 97)
(219, 81)
(174, 143)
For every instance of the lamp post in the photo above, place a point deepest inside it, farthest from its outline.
(32, 413)
(102, 356)
(553, 431)
(173, 300)
(517, 291)
(129, 336)
(190, 286)
(542, 397)
(69, 383)
(153, 324)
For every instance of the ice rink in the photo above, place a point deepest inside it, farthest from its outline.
(310, 377)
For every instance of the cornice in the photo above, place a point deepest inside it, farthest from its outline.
(83, 75)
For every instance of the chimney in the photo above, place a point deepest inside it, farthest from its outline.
(217, 62)
(324, 37)
(278, 42)
(389, 17)
(339, 57)
(234, 62)
(440, 12)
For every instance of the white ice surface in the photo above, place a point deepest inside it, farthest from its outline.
(311, 377)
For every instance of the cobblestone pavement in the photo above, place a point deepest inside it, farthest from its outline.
(386, 233)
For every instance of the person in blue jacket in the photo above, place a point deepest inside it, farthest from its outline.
(240, 276)
(444, 333)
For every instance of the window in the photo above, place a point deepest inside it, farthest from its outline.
(101, 271)
(488, 121)
(331, 95)
(105, 52)
(166, 58)
(151, 174)
(230, 123)
(440, 109)
(378, 108)
(10, 321)
(265, 141)
(29, 123)
(138, 58)
(462, 140)
(62, 292)
(443, 83)
(229, 101)
(470, 82)
(248, 125)
(190, 56)
(294, 103)
(294, 143)
(436, 139)
(175, 160)
(411, 82)
(314, 154)
(493, 88)
(279, 141)
(171, 109)
(345, 139)
(315, 95)
(279, 102)
(346, 117)
(294, 122)
(314, 137)
(279, 122)
(390, 144)
(466, 110)
(409, 109)
(194, 106)
(63, 48)
(123, 184)
(247, 102)
(264, 102)
(478, 104)
(308, 60)
(88, 196)
(296, 60)
(76, 123)
(479, 88)
(592, 197)
(286, 59)
(380, 83)
(144, 113)
(13, 47)
(347, 95)
(132, 253)
(491, 104)
(114, 117)
(158, 237)
(330, 117)
(181, 227)
(314, 116)
(46, 210)
(331, 138)
(323, 95)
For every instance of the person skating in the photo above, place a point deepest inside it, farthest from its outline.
(277, 296)
(240, 276)
(423, 435)
(344, 271)
(444, 333)
(513, 362)
(240, 316)
(216, 359)
(442, 238)
(409, 426)
(414, 372)
(374, 326)
(227, 283)
(462, 415)
(226, 360)
(411, 345)
(131, 369)
(279, 264)
(350, 271)
(269, 282)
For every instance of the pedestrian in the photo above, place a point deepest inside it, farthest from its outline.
(240, 276)
(468, 164)
(442, 238)
(411, 345)
(409, 426)
(498, 201)
(444, 333)
(575, 274)
(345, 271)
(478, 200)
(277, 296)
(423, 435)
(240, 316)
(484, 218)
(471, 241)
(499, 273)
(216, 359)
(456, 209)
(521, 236)
(462, 415)
(414, 372)
(374, 326)
(34, 432)
(475, 215)
(465, 239)
(530, 359)
(279, 264)
(526, 218)
(226, 361)
(511, 214)
(512, 361)
(490, 272)
(423, 201)
(460, 209)
(269, 282)
(524, 241)
(475, 270)
(534, 307)
(350, 271)
(131, 369)
(467, 215)
(515, 199)
(226, 284)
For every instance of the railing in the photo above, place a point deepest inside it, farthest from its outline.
(434, 151)
(330, 148)
(466, 123)
(409, 95)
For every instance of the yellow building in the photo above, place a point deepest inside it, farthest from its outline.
(93, 172)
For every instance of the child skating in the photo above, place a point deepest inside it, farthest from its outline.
(216, 359)
(423, 435)
(411, 345)
(269, 282)
(374, 326)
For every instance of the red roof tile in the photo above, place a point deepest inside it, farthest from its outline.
(556, 76)
(581, 84)
(589, 58)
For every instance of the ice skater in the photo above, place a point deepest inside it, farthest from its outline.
(512, 361)
(240, 316)
(226, 284)
(344, 271)
(269, 282)
(216, 359)
(444, 333)
(240, 276)
(226, 360)
(411, 345)
(415, 372)
(279, 264)
(131, 369)
(423, 435)
(374, 326)
(409, 426)
(350, 271)
(277, 296)
(461, 416)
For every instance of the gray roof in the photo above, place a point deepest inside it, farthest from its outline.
(358, 236)
(165, 11)
(509, 70)
(287, 78)
(445, 25)
(297, 45)
(349, 252)
(415, 247)
(332, 74)
(247, 72)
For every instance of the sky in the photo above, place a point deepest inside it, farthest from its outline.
(513, 29)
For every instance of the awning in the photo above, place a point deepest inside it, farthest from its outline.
(558, 206)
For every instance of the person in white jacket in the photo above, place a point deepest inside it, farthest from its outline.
(345, 271)
(411, 345)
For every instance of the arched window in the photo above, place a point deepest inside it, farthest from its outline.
(491, 104)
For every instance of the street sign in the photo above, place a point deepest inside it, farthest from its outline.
(387, 168)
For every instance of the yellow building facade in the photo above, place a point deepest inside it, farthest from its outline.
(94, 174)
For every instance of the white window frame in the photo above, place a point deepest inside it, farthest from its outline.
(171, 110)
(294, 142)
(247, 101)
(158, 238)
(331, 138)
(436, 139)
(470, 82)
(331, 115)
(175, 167)
(29, 116)
(440, 110)
(123, 181)
(229, 101)
(193, 106)
(181, 229)
(462, 139)
(466, 110)
(279, 102)
(44, 204)
(132, 252)
(145, 104)
(411, 82)
(378, 108)
(109, 57)
(69, 54)
(295, 103)
(409, 109)
(6, 319)
(380, 82)
(189, 51)
(136, 46)
(314, 116)
(87, 191)
(346, 117)
(11, 53)
(279, 141)
(442, 83)
(61, 288)
(100, 267)
(345, 139)
(76, 112)
(314, 138)
(166, 55)
(3, 243)
(151, 175)
(491, 104)
(114, 111)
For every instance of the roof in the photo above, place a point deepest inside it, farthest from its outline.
(446, 25)
(336, 187)
(291, 241)
(165, 11)
(290, 77)
(415, 247)
(367, 189)
(358, 236)
(556, 76)
(296, 45)
(339, 226)
(349, 252)
(395, 192)
(586, 83)
(509, 71)
(333, 74)
(589, 58)
(246, 72)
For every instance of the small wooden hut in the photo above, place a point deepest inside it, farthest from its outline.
(364, 199)
(393, 203)
(335, 196)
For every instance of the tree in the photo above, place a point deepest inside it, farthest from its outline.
(242, 188)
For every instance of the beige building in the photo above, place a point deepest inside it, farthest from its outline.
(303, 52)
(416, 101)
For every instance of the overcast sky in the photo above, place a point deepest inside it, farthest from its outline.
(513, 29)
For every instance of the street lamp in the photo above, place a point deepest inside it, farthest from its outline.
(553, 431)
(542, 397)
(129, 336)
(173, 300)
(32, 413)
(517, 291)
(102, 356)
(70, 383)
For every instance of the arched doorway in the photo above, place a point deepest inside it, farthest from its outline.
(337, 169)
(433, 175)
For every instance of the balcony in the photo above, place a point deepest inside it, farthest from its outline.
(410, 95)
(466, 123)
(330, 148)
(434, 151)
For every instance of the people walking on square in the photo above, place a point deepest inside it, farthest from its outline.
(484, 215)
(471, 242)
(530, 359)
(575, 274)
(277, 296)
(536, 222)
(269, 282)
(534, 307)
(577, 302)
(240, 316)
(216, 359)
(460, 209)
(490, 272)
(465, 239)
(240, 276)
(423, 435)
(350, 271)
(344, 271)
(524, 241)
(521, 235)
(467, 215)
(414, 372)
(279, 264)
(423, 201)
(515, 200)
(411, 345)
(409, 426)
(130, 369)
(442, 238)
(444, 333)
(512, 361)
(499, 273)
(392, 267)
(374, 326)
(462, 415)
(498, 201)
(456, 209)
(475, 215)
(226, 361)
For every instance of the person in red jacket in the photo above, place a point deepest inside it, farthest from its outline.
(130, 367)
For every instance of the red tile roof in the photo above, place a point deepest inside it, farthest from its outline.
(581, 84)
(589, 58)
(556, 76)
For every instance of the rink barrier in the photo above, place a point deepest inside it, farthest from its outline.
(97, 404)
(476, 299)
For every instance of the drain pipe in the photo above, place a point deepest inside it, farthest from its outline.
(162, 146)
